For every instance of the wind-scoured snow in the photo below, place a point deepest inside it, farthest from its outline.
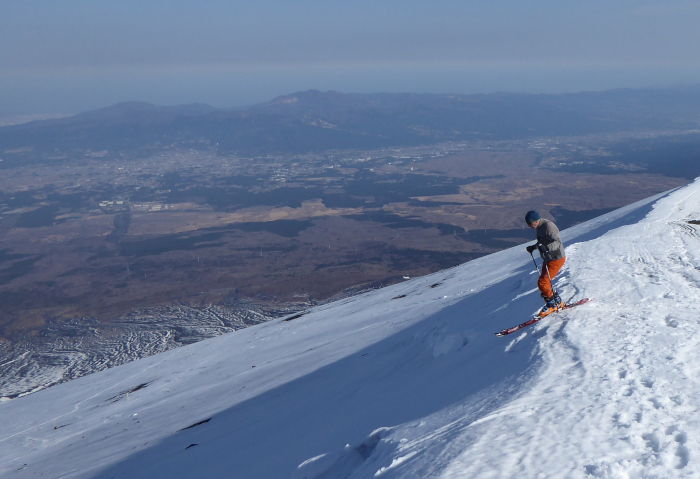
(410, 382)
(71, 349)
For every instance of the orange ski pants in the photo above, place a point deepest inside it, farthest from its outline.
(544, 282)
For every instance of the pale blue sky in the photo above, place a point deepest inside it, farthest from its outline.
(65, 56)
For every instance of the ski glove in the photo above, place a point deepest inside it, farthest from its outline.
(531, 248)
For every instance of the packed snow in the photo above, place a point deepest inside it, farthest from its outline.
(410, 382)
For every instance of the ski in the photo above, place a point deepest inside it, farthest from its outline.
(508, 331)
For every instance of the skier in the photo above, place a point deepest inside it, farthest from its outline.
(552, 252)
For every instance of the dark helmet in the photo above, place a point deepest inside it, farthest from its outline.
(532, 216)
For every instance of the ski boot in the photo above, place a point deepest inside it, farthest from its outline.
(552, 304)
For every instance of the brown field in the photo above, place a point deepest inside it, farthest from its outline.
(192, 253)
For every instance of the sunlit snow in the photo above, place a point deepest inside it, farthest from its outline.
(410, 382)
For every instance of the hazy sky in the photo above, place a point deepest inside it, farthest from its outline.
(65, 56)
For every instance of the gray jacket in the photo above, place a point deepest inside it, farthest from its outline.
(549, 242)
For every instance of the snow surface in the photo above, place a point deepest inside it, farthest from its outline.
(74, 348)
(410, 382)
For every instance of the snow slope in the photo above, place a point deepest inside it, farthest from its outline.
(410, 382)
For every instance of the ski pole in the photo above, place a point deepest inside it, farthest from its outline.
(535, 262)
(548, 276)
(551, 284)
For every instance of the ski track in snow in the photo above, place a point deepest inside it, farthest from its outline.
(410, 382)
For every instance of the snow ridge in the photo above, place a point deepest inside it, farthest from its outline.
(410, 382)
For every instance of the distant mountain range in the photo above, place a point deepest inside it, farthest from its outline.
(317, 121)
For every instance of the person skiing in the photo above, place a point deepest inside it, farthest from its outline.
(552, 252)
